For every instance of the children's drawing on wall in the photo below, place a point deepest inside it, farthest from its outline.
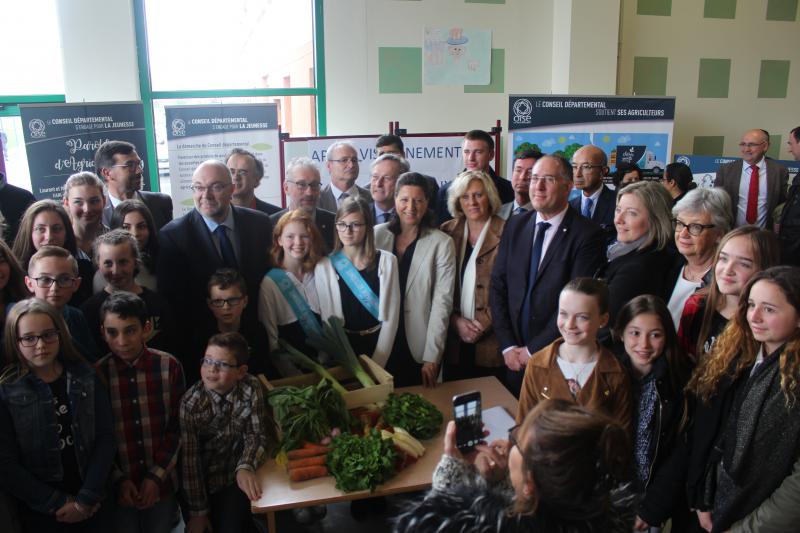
(457, 56)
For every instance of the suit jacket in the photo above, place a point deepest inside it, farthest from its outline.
(603, 211)
(266, 208)
(324, 220)
(13, 203)
(428, 296)
(729, 175)
(505, 210)
(159, 204)
(504, 189)
(577, 250)
(328, 202)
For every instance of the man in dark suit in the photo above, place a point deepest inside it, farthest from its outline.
(120, 167)
(757, 184)
(789, 231)
(13, 203)
(597, 202)
(393, 144)
(246, 172)
(520, 182)
(341, 160)
(301, 186)
(524, 298)
(213, 235)
(476, 152)
(384, 173)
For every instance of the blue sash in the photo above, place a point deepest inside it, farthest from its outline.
(356, 283)
(296, 301)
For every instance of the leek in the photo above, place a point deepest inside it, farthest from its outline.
(333, 341)
(300, 359)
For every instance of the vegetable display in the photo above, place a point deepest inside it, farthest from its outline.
(361, 462)
(413, 413)
(302, 360)
(333, 341)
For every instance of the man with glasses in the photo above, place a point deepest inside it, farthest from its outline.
(589, 169)
(393, 144)
(342, 164)
(121, 168)
(246, 173)
(301, 185)
(756, 184)
(384, 173)
(520, 182)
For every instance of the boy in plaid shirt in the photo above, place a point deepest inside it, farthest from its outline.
(227, 431)
(145, 386)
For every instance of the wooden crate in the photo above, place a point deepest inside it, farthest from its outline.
(356, 395)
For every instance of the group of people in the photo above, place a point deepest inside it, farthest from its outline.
(650, 332)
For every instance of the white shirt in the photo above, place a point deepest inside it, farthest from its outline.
(579, 372)
(352, 193)
(744, 191)
(682, 291)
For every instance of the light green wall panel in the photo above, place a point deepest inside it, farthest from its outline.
(774, 146)
(649, 76)
(708, 144)
(399, 70)
(485, 1)
(782, 10)
(714, 78)
(497, 75)
(774, 78)
(661, 8)
(720, 9)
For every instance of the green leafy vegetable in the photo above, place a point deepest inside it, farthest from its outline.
(413, 413)
(302, 360)
(333, 341)
(361, 463)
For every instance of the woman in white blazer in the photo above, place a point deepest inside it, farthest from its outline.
(359, 283)
(426, 271)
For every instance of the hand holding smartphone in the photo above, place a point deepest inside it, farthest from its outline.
(469, 424)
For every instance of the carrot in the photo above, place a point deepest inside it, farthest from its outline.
(307, 472)
(317, 460)
(311, 446)
(302, 453)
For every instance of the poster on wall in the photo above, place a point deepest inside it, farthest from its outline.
(196, 133)
(457, 56)
(61, 139)
(629, 129)
(704, 167)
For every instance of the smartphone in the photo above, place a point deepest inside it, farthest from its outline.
(467, 415)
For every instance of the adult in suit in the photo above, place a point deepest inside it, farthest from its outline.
(426, 265)
(524, 297)
(754, 198)
(393, 144)
(246, 172)
(596, 202)
(120, 167)
(520, 182)
(477, 152)
(789, 230)
(213, 235)
(13, 203)
(342, 164)
(384, 172)
(301, 185)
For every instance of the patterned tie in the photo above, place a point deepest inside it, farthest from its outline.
(587, 208)
(341, 199)
(225, 246)
(536, 256)
(751, 215)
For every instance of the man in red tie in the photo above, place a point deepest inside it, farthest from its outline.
(756, 184)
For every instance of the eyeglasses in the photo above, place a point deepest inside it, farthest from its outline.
(353, 226)
(232, 302)
(303, 186)
(694, 229)
(221, 366)
(345, 160)
(512, 436)
(585, 167)
(49, 337)
(215, 187)
(64, 282)
(750, 145)
(547, 180)
(132, 165)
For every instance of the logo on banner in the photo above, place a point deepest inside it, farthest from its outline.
(685, 160)
(178, 127)
(36, 126)
(522, 111)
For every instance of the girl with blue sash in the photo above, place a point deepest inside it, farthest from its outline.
(359, 283)
(288, 305)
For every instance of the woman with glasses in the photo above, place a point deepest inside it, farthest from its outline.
(426, 268)
(559, 470)
(57, 445)
(700, 220)
(678, 180)
(359, 284)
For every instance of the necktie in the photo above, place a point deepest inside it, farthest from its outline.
(386, 216)
(519, 210)
(341, 199)
(536, 256)
(751, 215)
(587, 208)
(225, 246)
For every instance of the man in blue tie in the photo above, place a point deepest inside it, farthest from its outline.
(384, 173)
(540, 251)
(597, 201)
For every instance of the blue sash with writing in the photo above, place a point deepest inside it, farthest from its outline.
(296, 301)
(356, 283)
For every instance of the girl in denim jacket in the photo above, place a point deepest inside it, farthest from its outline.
(56, 443)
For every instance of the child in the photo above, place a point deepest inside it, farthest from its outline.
(53, 277)
(56, 445)
(84, 200)
(117, 258)
(660, 371)
(226, 432)
(576, 367)
(145, 386)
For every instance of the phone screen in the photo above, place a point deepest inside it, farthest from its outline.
(469, 425)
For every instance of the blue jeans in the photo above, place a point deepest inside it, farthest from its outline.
(160, 518)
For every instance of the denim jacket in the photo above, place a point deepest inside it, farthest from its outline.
(30, 459)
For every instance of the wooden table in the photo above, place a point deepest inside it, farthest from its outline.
(278, 493)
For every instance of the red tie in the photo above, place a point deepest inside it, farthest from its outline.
(751, 215)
